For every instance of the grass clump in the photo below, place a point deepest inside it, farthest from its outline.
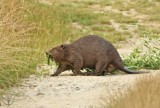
(17, 51)
(146, 57)
(145, 94)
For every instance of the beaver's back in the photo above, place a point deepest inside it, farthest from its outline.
(94, 48)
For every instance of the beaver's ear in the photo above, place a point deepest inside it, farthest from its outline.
(63, 46)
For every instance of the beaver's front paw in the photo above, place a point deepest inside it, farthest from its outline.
(53, 75)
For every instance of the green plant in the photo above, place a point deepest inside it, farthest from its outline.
(148, 56)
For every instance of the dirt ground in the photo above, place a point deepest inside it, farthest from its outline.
(70, 91)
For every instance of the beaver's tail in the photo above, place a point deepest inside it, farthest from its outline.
(125, 69)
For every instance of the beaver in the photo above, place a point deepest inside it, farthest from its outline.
(92, 52)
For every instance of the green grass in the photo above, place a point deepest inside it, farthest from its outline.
(147, 56)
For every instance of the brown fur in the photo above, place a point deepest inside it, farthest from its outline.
(87, 52)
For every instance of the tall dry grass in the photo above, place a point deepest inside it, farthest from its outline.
(25, 34)
(146, 94)
(15, 38)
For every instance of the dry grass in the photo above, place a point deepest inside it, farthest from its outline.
(15, 36)
(146, 94)
(25, 34)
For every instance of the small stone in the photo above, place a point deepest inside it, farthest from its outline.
(50, 85)
(40, 93)
(77, 88)
(59, 84)
(41, 107)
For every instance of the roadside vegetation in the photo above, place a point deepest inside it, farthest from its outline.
(146, 91)
(16, 55)
(145, 94)
(28, 28)
(146, 56)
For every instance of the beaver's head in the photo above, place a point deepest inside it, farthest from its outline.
(57, 53)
